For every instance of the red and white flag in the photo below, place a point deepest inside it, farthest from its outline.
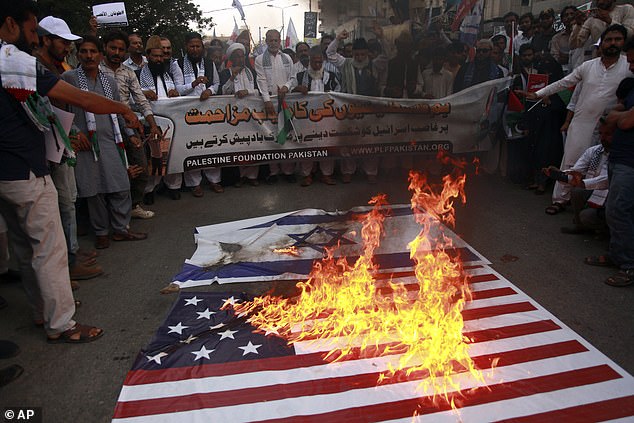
(209, 365)
(291, 35)
(235, 32)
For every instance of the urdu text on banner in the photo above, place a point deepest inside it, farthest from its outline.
(226, 131)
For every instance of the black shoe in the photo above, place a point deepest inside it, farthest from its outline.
(9, 374)
(11, 276)
(174, 194)
(291, 179)
(8, 349)
(148, 198)
(271, 179)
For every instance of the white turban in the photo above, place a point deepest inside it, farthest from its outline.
(233, 47)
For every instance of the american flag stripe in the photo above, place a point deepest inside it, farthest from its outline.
(146, 384)
(614, 408)
(387, 401)
(543, 371)
(332, 385)
(544, 406)
(378, 409)
(232, 375)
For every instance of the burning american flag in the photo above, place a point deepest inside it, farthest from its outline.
(438, 341)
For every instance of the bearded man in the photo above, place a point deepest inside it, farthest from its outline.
(600, 78)
(357, 78)
(239, 80)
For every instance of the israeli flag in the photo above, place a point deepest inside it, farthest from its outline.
(284, 246)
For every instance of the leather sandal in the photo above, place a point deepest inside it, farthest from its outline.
(621, 279)
(555, 208)
(86, 334)
(601, 261)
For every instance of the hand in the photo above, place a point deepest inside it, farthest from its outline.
(205, 95)
(242, 93)
(546, 101)
(134, 171)
(529, 96)
(548, 169)
(235, 71)
(603, 15)
(342, 35)
(132, 121)
(301, 89)
(377, 29)
(564, 127)
(80, 142)
(270, 108)
(155, 133)
(281, 92)
(92, 24)
(577, 179)
(580, 18)
(135, 141)
(150, 95)
(199, 80)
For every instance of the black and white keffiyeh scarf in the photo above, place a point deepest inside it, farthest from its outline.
(90, 117)
(267, 63)
(148, 82)
(189, 75)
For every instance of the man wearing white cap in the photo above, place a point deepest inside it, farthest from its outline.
(55, 41)
(55, 44)
(240, 81)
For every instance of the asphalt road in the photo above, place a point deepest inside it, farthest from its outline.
(80, 383)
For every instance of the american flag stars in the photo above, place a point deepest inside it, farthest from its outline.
(207, 329)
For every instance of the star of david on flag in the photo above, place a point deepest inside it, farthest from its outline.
(248, 250)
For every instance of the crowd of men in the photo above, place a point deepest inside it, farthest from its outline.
(108, 174)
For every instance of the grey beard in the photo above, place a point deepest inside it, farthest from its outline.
(316, 74)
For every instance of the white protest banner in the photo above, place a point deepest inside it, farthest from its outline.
(110, 14)
(225, 131)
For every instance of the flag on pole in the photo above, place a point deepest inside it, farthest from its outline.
(208, 364)
(470, 26)
(514, 103)
(291, 35)
(284, 121)
(464, 8)
(237, 5)
(235, 32)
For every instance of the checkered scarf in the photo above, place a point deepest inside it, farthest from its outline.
(593, 166)
(189, 75)
(148, 83)
(90, 117)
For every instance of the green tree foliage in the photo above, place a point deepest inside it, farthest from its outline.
(167, 18)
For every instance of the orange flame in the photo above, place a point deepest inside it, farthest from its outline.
(291, 251)
(342, 305)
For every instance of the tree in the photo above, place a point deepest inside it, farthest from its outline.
(167, 18)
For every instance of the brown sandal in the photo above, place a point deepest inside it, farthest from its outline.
(84, 332)
(601, 261)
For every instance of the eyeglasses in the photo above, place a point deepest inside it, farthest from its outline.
(483, 50)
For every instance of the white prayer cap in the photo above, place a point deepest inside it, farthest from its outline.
(55, 26)
(233, 47)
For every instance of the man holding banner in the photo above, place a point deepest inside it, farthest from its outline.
(240, 81)
(274, 69)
